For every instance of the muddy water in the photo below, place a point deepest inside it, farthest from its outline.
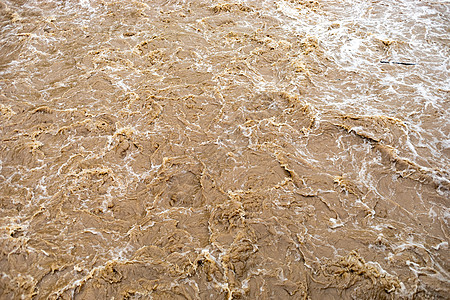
(224, 150)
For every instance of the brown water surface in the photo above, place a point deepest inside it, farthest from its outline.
(224, 150)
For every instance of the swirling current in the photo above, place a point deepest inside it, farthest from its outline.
(212, 149)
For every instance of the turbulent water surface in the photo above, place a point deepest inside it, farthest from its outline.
(270, 149)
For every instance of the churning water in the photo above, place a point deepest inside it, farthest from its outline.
(266, 149)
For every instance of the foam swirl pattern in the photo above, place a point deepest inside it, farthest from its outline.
(172, 149)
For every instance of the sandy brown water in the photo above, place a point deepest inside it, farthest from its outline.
(174, 149)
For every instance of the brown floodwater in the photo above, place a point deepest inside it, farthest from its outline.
(271, 149)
